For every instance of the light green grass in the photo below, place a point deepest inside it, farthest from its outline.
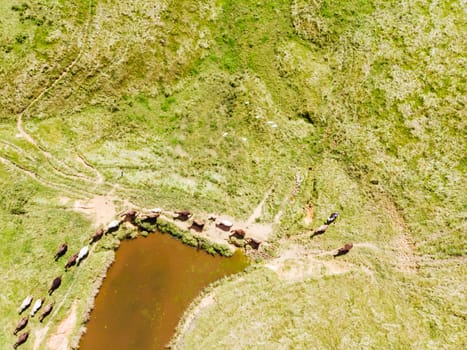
(350, 311)
(171, 101)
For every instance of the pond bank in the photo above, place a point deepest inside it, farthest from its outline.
(151, 283)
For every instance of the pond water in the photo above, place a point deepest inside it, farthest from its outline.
(147, 289)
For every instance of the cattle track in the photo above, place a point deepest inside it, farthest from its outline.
(59, 168)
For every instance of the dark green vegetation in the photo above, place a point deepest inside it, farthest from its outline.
(190, 239)
(171, 101)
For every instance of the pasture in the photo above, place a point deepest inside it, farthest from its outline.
(282, 111)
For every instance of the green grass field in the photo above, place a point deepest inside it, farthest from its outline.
(208, 105)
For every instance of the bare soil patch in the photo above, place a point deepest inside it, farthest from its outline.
(39, 335)
(100, 209)
(59, 340)
(296, 264)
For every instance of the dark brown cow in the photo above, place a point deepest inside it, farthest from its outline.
(55, 284)
(129, 216)
(320, 230)
(97, 235)
(344, 250)
(197, 225)
(253, 243)
(21, 339)
(237, 233)
(183, 215)
(47, 311)
(21, 324)
(71, 262)
(61, 251)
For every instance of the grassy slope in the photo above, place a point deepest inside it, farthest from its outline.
(367, 94)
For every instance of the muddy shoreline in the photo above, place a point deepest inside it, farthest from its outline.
(152, 280)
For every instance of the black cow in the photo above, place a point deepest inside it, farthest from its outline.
(183, 215)
(151, 217)
(55, 284)
(253, 243)
(332, 218)
(197, 225)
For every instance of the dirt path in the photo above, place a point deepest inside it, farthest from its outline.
(85, 163)
(260, 231)
(296, 264)
(60, 187)
(23, 134)
(32, 158)
(60, 339)
(402, 245)
(256, 214)
(299, 179)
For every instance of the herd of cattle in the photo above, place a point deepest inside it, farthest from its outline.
(130, 216)
(74, 260)
(322, 229)
(224, 225)
(57, 281)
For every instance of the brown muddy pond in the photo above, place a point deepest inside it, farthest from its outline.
(149, 286)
